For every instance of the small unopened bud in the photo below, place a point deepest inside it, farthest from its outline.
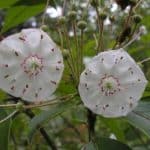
(94, 3)
(137, 18)
(62, 20)
(72, 15)
(103, 15)
(112, 18)
(19, 106)
(65, 53)
(82, 25)
(44, 28)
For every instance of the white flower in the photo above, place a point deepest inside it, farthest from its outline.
(112, 84)
(31, 65)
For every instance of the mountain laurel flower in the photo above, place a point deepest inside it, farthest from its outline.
(31, 65)
(112, 84)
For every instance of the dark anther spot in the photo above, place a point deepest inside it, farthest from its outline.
(21, 38)
(139, 80)
(27, 85)
(131, 104)
(6, 76)
(6, 65)
(12, 88)
(57, 69)
(36, 95)
(107, 105)
(86, 73)
(52, 49)
(121, 57)
(41, 36)
(122, 107)
(53, 82)
(16, 53)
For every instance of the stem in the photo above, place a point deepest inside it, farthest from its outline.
(63, 98)
(9, 116)
(44, 15)
(81, 53)
(42, 130)
(41, 104)
(70, 63)
(100, 40)
(132, 40)
(145, 60)
(77, 50)
(91, 124)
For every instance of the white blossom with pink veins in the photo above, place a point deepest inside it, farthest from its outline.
(112, 84)
(31, 65)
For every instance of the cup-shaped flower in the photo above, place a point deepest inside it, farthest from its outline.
(31, 65)
(112, 84)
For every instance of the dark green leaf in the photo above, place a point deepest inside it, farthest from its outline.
(18, 14)
(106, 144)
(140, 120)
(4, 130)
(50, 114)
(7, 3)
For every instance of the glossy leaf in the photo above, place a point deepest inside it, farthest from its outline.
(48, 115)
(140, 117)
(18, 14)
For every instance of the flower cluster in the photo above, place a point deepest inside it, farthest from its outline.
(31, 65)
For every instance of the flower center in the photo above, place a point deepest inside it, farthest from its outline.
(109, 85)
(32, 65)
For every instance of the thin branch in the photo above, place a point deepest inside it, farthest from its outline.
(9, 116)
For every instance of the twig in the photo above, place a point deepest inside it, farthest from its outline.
(44, 15)
(42, 130)
(91, 124)
(9, 116)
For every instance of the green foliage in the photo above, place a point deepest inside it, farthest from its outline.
(7, 3)
(105, 144)
(54, 111)
(20, 14)
(4, 130)
(140, 117)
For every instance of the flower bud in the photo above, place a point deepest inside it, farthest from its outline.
(72, 15)
(19, 106)
(62, 20)
(103, 15)
(112, 18)
(94, 3)
(82, 25)
(65, 53)
(137, 18)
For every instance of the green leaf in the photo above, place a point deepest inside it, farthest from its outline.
(7, 3)
(18, 14)
(50, 114)
(140, 117)
(105, 144)
(4, 131)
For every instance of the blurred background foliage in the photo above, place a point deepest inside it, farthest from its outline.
(65, 126)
